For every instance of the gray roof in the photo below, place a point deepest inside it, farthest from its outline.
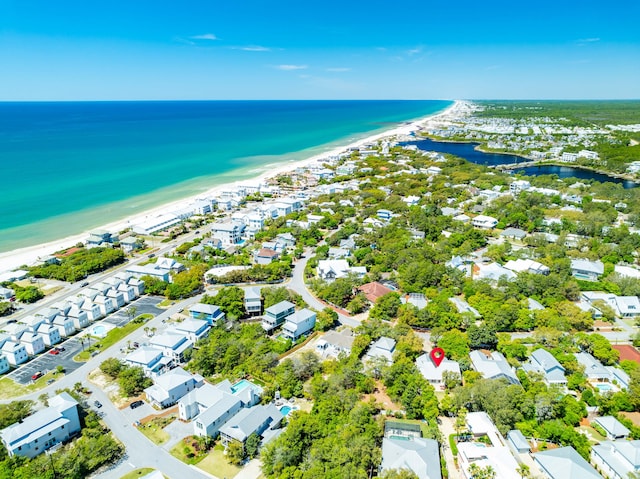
(494, 366)
(342, 340)
(592, 367)
(596, 267)
(613, 427)
(418, 455)
(515, 232)
(279, 308)
(300, 316)
(518, 440)
(565, 463)
(218, 409)
(252, 293)
(204, 308)
(248, 421)
(622, 456)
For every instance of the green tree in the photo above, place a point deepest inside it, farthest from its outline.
(386, 307)
(252, 446)
(29, 294)
(132, 381)
(235, 453)
(230, 300)
(455, 344)
(326, 319)
(111, 367)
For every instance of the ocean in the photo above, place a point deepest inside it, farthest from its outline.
(72, 166)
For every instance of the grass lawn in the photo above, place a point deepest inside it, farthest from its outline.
(186, 452)
(216, 463)
(154, 429)
(165, 303)
(138, 473)
(113, 337)
(10, 389)
(593, 435)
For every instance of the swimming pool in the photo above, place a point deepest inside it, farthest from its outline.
(239, 386)
(99, 331)
(285, 410)
(603, 387)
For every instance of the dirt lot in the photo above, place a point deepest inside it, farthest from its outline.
(380, 395)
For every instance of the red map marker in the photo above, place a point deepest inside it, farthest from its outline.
(437, 356)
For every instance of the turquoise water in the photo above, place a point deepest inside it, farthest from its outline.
(99, 331)
(603, 387)
(239, 386)
(69, 167)
(285, 410)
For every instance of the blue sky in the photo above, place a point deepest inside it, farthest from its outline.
(254, 49)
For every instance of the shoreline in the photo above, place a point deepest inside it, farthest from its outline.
(10, 260)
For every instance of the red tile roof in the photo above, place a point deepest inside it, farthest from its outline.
(374, 290)
(627, 352)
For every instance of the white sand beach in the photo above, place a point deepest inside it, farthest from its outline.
(11, 260)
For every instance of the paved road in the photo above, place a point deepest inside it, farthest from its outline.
(141, 452)
(298, 285)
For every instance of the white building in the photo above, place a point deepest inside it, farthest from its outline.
(43, 429)
(433, 373)
(169, 388)
(485, 222)
(299, 324)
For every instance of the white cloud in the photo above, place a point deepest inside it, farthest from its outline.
(414, 51)
(204, 36)
(589, 40)
(291, 67)
(338, 69)
(254, 48)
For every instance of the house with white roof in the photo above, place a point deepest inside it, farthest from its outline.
(492, 272)
(33, 342)
(614, 428)
(493, 366)
(252, 301)
(15, 352)
(564, 463)
(6, 293)
(151, 360)
(173, 345)
(275, 315)
(149, 270)
(382, 348)
(43, 429)
(80, 318)
(106, 305)
(230, 233)
(330, 270)
(623, 306)
(65, 325)
(498, 456)
(210, 313)
(255, 420)
(627, 271)
(463, 307)
(332, 343)
(527, 266)
(50, 334)
(484, 222)
(421, 456)
(587, 270)
(221, 410)
(299, 323)
(169, 388)
(597, 373)
(433, 373)
(194, 329)
(617, 459)
(543, 362)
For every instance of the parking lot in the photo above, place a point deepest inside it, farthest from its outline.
(46, 362)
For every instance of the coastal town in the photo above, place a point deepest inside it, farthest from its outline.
(385, 310)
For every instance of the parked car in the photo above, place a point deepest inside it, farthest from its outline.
(97, 404)
(54, 351)
(37, 375)
(136, 404)
(84, 283)
(151, 255)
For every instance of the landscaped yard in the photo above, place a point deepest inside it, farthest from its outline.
(10, 389)
(154, 429)
(216, 463)
(113, 337)
(593, 435)
(138, 473)
(187, 452)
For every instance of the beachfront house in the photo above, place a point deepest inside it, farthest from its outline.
(169, 388)
(210, 313)
(45, 428)
(299, 324)
(275, 315)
